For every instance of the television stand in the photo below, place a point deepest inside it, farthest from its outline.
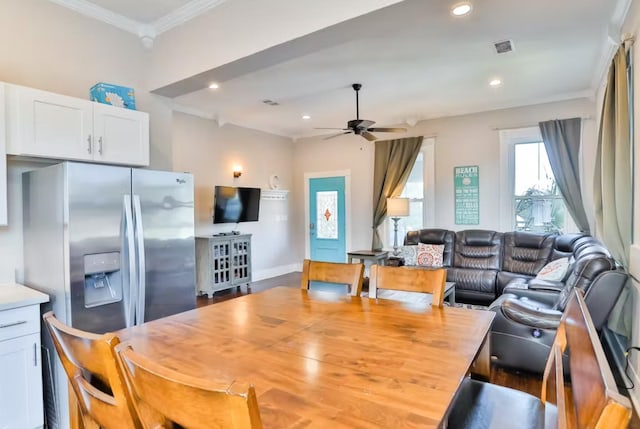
(223, 261)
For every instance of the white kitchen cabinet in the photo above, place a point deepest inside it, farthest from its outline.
(122, 135)
(47, 125)
(21, 383)
(21, 401)
(3, 158)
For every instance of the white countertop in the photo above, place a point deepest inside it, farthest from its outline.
(13, 295)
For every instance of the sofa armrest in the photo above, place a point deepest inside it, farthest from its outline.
(545, 285)
(547, 297)
(531, 313)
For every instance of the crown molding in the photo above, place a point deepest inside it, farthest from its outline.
(101, 14)
(184, 13)
(147, 32)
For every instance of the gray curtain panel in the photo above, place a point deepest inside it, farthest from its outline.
(612, 182)
(394, 160)
(562, 141)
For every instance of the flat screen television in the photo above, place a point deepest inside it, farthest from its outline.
(233, 205)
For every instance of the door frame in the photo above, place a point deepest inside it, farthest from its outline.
(347, 206)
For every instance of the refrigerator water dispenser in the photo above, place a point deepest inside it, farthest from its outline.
(102, 279)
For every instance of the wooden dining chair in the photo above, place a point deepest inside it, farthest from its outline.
(333, 272)
(409, 280)
(94, 376)
(593, 401)
(163, 397)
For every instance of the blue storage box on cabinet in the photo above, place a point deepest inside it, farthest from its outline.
(119, 96)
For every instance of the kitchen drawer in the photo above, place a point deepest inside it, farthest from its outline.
(19, 321)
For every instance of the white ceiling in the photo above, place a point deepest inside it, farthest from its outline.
(414, 59)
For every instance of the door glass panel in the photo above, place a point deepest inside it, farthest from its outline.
(327, 214)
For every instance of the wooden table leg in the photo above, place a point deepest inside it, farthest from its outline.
(481, 367)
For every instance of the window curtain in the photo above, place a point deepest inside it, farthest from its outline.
(612, 181)
(394, 160)
(562, 141)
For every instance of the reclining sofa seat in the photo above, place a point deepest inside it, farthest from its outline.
(528, 313)
(524, 255)
(476, 261)
(434, 236)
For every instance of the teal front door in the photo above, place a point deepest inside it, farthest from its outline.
(327, 219)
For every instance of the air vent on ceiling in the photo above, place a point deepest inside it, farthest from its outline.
(503, 46)
(271, 102)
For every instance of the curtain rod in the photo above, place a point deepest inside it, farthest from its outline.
(529, 125)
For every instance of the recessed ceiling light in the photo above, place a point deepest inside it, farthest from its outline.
(214, 86)
(495, 82)
(306, 117)
(460, 9)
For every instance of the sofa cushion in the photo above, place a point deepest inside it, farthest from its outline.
(478, 249)
(526, 252)
(482, 283)
(409, 254)
(505, 278)
(434, 236)
(430, 255)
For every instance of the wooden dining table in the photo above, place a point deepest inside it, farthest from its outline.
(324, 360)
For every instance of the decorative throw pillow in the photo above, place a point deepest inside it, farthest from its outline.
(430, 255)
(409, 254)
(554, 271)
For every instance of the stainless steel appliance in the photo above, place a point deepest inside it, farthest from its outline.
(113, 247)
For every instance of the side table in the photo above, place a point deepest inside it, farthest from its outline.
(378, 257)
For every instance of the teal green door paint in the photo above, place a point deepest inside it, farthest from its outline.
(327, 219)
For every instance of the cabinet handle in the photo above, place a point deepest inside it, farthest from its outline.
(8, 325)
(89, 143)
(35, 354)
(100, 145)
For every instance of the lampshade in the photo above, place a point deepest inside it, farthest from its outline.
(397, 207)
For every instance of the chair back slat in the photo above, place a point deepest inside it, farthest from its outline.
(596, 401)
(333, 272)
(90, 364)
(162, 397)
(409, 280)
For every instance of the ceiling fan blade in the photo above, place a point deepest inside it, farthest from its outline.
(336, 135)
(343, 129)
(367, 135)
(365, 123)
(387, 130)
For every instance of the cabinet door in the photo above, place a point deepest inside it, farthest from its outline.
(3, 158)
(49, 125)
(21, 383)
(121, 135)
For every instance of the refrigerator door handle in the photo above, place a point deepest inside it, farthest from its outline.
(142, 272)
(128, 262)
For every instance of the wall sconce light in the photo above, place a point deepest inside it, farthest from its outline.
(237, 171)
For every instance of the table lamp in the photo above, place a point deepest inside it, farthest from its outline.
(396, 208)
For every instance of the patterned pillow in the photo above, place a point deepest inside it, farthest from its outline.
(430, 255)
(554, 271)
(409, 254)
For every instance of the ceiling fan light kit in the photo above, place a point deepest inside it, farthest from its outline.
(361, 127)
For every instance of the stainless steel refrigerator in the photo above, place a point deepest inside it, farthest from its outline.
(112, 246)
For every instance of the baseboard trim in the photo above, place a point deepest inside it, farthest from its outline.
(276, 271)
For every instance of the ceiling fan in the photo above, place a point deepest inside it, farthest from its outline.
(361, 127)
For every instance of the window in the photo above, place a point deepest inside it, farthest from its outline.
(537, 203)
(419, 190)
(530, 198)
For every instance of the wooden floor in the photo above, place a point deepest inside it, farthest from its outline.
(525, 382)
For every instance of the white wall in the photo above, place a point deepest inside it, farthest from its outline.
(460, 140)
(210, 152)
